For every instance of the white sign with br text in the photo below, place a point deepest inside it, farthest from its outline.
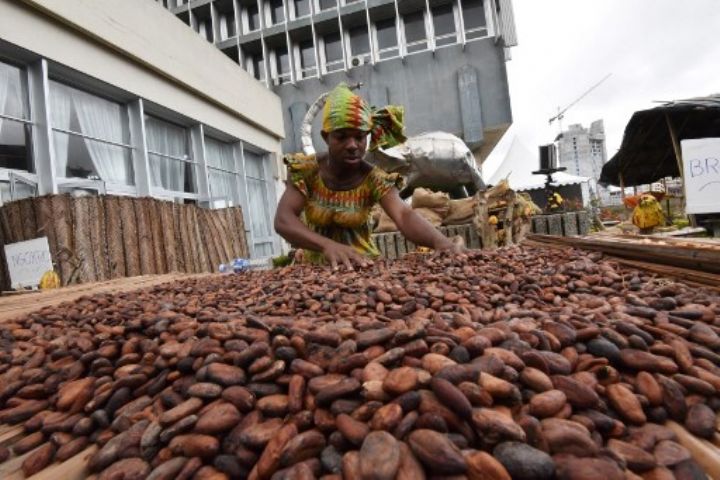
(28, 261)
(701, 172)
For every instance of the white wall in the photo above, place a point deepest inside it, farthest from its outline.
(143, 49)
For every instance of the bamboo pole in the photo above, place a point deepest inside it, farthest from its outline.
(203, 257)
(180, 240)
(192, 258)
(99, 238)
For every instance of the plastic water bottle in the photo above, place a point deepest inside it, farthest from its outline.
(240, 265)
(223, 268)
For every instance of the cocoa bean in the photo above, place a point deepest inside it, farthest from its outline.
(379, 456)
(437, 452)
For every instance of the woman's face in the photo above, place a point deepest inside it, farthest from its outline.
(347, 145)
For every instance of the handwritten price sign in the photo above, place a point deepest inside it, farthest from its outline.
(27, 261)
(701, 159)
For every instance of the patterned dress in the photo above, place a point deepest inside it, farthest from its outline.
(341, 215)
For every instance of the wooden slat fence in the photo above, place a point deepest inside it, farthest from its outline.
(98, 238)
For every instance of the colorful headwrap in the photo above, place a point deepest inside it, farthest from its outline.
(344, 109)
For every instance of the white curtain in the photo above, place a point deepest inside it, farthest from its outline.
(60, 111)
(167, 139)
(4, 89)
(103, 119)
(222, 188)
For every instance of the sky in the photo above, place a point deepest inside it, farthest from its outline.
(655, 50)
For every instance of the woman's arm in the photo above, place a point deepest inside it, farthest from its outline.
(289, 226)
(412, 225)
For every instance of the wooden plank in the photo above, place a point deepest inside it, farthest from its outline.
(144, 232)
(5, 225)
(167, 223)
(11, 435)
(240, 226)
(14, 216)
(204, 257)
(130, 236)
(81, 238)
(158, 237)
(207, 237)
(98, 237)
(114, 235)
(218, 219)
(187, 239)
(391, 247)
(12, 468)
(233, 238)
(212, 237)
(4, 273)
(74, 468)
(62, 219)
(401, 245)
(380, 242)
(27, 214)
(702, 451)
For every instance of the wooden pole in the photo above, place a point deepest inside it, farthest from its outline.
(678, 159)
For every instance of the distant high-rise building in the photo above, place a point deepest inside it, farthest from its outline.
(582, 150)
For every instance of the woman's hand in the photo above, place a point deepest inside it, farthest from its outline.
(339, 254)
(454, 246)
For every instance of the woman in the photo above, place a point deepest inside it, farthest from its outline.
(326, 206)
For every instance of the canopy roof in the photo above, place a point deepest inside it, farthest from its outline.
(517, 167)
(647, 154)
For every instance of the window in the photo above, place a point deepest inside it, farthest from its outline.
(259, 204)
(277, 11)
(253, 17)
(359, 40)
(474, 19)
(258, 67)
(444, 25)
(386, 36)
(90, 136)
(227, 25)
(308, 65)
(15, 127)
(327, 4)
(171, 167)
(204, 28)
(282, 63)
(333, 52)
(415, 32)
(254, 64)
(222, 172)
(302, 8)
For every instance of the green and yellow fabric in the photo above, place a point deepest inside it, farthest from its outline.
(341, 215)
(345, 109)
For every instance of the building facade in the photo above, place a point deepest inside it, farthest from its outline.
(93, 100)
(583, 153)
(444, 60)
(582, 150)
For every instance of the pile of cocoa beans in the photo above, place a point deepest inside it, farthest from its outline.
(523, 363)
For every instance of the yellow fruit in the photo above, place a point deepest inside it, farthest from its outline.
(648, 213)
(493, 220)
(50, 279)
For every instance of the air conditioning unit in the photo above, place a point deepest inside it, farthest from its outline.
(357, 61)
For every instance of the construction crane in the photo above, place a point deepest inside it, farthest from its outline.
(561, 112)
